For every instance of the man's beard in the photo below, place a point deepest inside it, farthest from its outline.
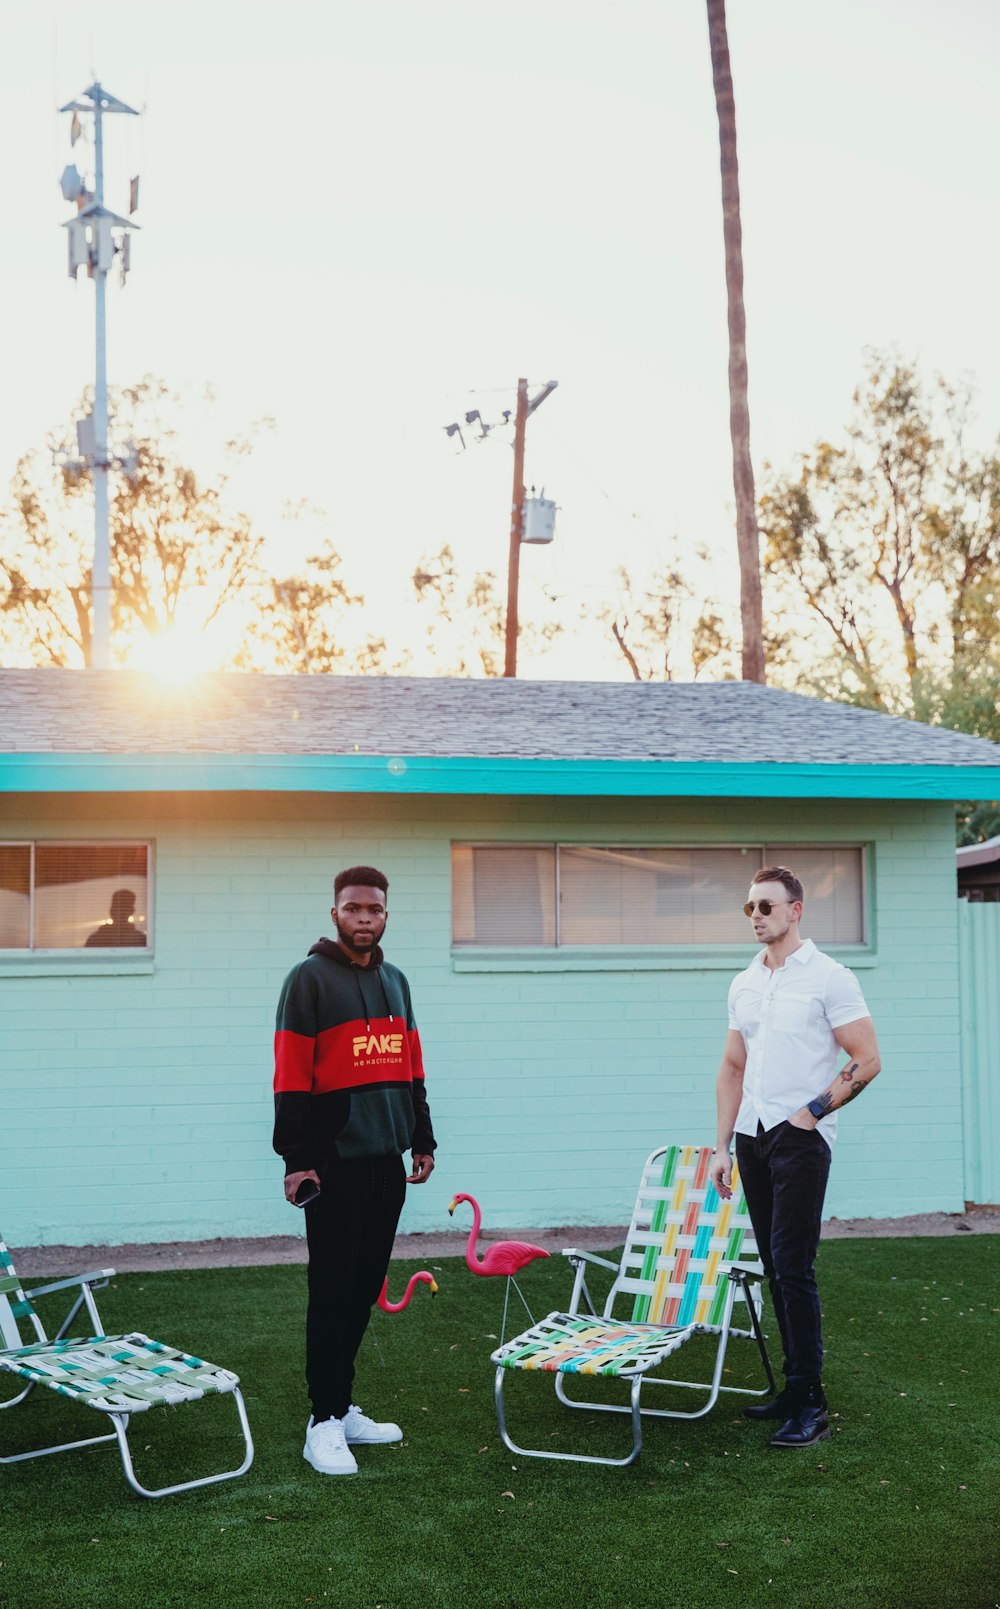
(357, 949)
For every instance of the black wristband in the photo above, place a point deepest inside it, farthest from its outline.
(817, 1107)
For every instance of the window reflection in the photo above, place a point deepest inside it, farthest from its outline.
(73, 896)
(15, 896)
(610, 896)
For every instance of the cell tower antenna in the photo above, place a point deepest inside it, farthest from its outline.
(95, 236)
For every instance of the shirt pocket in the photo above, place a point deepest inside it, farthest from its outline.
(746, 1010)
(790, 1012)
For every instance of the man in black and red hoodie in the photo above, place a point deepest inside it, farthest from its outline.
(348, 1101)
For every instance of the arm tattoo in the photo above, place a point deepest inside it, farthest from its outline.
(857, 1084)
(823, 1104)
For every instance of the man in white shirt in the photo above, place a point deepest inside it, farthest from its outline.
(779, 1091)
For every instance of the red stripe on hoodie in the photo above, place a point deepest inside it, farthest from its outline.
(382, 1051)
(293, 1061)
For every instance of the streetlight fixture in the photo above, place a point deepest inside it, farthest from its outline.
(532, 520)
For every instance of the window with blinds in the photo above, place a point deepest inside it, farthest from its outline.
(561, 895)
(64, 896)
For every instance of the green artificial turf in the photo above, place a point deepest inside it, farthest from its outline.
(896, 1511)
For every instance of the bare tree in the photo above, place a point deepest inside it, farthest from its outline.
(180, 552)
(645, 620)
(465, 633)
(747, 539)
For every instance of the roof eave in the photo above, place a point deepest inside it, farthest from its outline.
(983, 854)
(415, 774)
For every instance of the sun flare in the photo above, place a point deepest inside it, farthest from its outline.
(175, 656)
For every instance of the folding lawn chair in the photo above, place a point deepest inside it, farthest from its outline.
(119, 1375)
(688, 1257)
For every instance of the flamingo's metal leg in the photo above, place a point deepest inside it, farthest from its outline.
(503, 1321)
(524, 1304)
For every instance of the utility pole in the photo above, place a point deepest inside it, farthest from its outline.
(516, 527)
(95, 235)
(524, 411)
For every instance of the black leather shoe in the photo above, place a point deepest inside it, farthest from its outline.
(807, 1426)
(778, 1407)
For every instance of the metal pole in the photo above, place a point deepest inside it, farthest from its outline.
(516, 531)
(101, 580)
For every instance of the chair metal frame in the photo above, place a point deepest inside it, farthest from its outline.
(16, 1303)
(744, 1279)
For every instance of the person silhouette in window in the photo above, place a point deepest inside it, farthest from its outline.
(120, 930)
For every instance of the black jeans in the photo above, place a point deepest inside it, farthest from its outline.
(350, 1228)
(784, 1173)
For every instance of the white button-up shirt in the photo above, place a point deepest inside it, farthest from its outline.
(787, 1016)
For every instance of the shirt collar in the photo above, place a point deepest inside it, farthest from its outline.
(804, 953)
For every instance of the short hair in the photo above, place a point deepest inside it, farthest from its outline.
(362, 877)
(779, 874)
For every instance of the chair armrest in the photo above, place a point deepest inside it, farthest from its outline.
(579, 1260)
(97, 1280)
(575, 1256)
(86, 1284)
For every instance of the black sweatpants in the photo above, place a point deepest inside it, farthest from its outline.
(350, 1228)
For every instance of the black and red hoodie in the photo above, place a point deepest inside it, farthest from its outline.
(348, 1073)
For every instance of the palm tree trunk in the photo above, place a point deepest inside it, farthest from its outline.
(747, 537)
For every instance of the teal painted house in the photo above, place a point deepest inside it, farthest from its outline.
(567, 866)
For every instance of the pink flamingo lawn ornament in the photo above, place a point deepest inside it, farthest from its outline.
(503, 1257)
(422, 1277)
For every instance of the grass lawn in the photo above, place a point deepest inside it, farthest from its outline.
(897, 1511)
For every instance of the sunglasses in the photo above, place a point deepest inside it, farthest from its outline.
(764, 906)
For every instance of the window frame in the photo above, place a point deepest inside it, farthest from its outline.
(468, 956)
(106, 959)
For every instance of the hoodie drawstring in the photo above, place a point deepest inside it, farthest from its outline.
(364, 1003)
(385, 997)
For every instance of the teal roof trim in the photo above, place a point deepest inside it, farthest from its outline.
(363, 773)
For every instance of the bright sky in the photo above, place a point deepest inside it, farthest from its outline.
(363, 219)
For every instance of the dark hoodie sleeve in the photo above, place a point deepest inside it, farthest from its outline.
(294, 1049)
(423, 1142)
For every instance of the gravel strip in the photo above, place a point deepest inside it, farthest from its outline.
(36, 1262)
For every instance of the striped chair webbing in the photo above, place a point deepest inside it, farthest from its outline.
(683, 1239)
(14, 1305)
(573, 1343)
(119, 1373)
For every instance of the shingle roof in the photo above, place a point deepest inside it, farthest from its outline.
(985, 854)
(125, 713)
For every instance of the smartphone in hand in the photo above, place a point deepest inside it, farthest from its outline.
(308, 1191)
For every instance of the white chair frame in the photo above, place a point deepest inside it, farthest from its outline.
(12, 1357)
(744, 1282)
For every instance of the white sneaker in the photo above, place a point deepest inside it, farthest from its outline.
(327, 1450)
(361, 1431)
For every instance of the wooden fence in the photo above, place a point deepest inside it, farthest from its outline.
(979, 951)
